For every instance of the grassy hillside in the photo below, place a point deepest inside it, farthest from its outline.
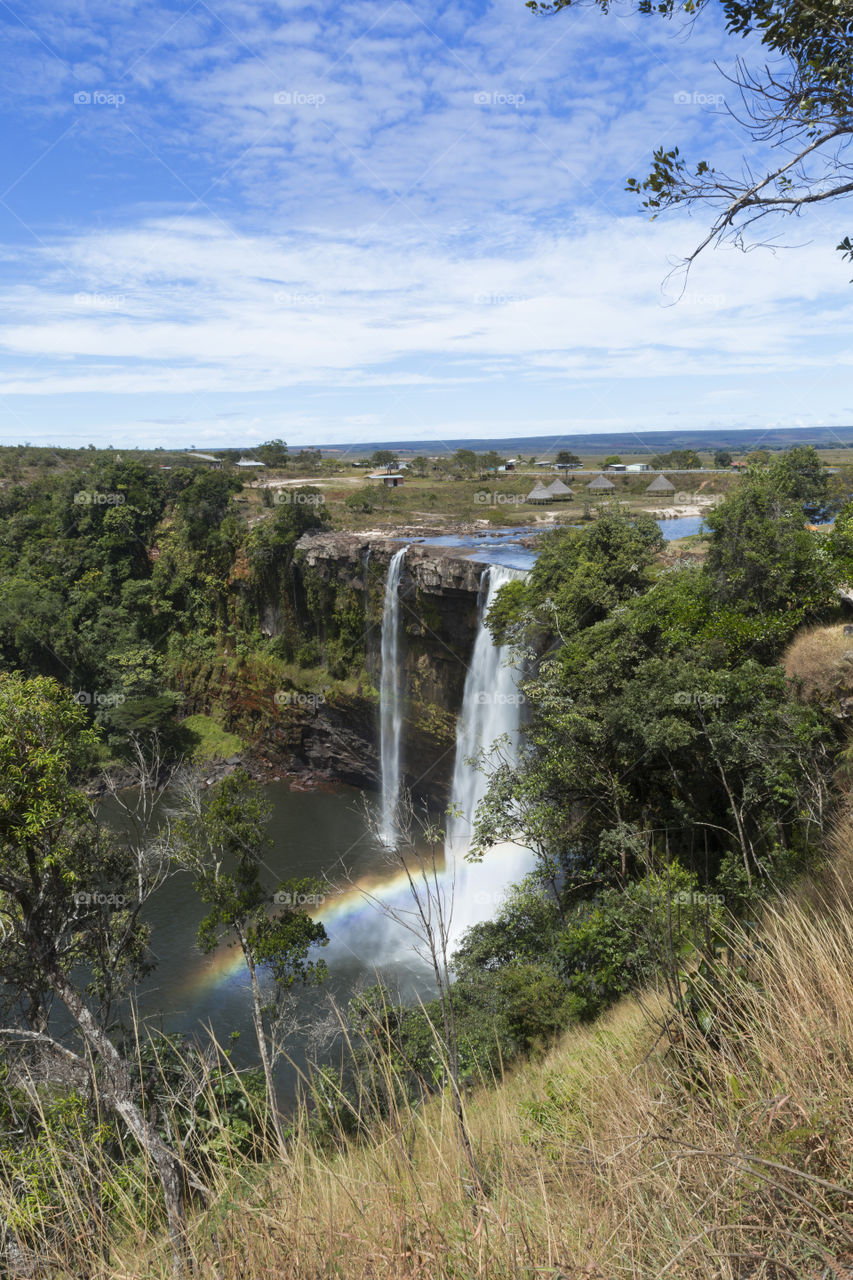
(715, 1142)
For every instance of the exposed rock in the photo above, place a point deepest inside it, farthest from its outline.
(434, 570)
(439, 588)
(339, 741)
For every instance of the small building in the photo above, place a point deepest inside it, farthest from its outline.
(250, 462)
(660, 484)
(390, 481)
(599, 484)
(208, 459)
(559, 492)
(616, 466)
(538, 493)
(638, 466)
(509, 465)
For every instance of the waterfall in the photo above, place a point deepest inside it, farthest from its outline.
(390, 696)
(491, 707)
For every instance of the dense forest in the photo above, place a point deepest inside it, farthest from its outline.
(686, 750)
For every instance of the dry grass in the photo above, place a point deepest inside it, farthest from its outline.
(636, 1148)
(816, 658)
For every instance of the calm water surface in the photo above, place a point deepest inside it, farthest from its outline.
(318, 833)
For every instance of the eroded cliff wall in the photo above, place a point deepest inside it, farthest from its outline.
(341, 587)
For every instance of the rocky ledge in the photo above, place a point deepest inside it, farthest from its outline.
(433, 570)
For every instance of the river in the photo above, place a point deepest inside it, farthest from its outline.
(318, 833)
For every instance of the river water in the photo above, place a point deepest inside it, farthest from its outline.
(505, 546)
(318, 833)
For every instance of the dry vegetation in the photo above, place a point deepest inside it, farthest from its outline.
(821, 660)
(637, 1147)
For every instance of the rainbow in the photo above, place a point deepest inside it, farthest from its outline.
(349, 916)
(358, 929)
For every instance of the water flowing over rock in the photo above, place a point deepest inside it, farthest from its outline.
(391, 696)
(490, 711)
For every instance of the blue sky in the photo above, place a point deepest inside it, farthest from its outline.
(225, 222)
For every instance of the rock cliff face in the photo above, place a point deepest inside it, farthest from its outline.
(439, 592)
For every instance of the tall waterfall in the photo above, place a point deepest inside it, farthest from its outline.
(491, 707)
(390, 696)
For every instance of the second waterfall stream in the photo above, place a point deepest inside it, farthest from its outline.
(491, 710)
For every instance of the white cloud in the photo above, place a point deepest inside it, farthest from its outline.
(191, 308)
(392, 240)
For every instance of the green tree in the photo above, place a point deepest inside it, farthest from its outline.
(612, 460)
(565, 458)
(71, 898)
(677, 460)
(273, 453)
(580, 575)
(762, 561)
(385, 458)
(465, 460)
(651, 709)
(206, 521)
(722, 458)
(223, 841)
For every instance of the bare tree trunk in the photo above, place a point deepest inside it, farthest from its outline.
(736, 814)
(258, 1019)
(119, 1094)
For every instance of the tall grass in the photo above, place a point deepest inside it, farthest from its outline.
(816, 659)
(641, 1146)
